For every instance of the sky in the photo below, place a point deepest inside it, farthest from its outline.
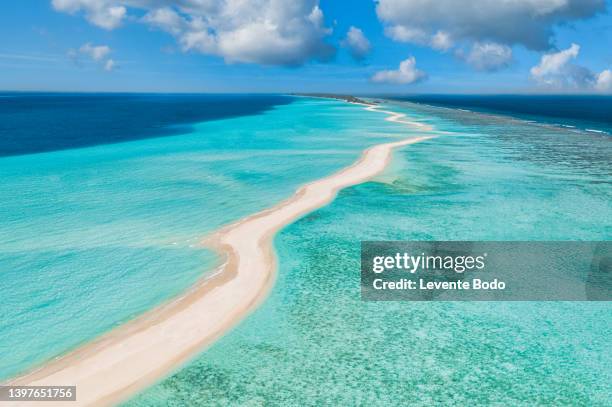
(357, 47)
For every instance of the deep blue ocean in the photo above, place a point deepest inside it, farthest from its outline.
(585, 112)
(38, 122)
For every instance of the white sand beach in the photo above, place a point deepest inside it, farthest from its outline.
(137, 354)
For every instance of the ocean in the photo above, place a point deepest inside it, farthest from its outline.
(314, 342)
(37, 122)
(591, 113)
(92, 236)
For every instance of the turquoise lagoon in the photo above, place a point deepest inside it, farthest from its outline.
(91, 237)
(314, 342)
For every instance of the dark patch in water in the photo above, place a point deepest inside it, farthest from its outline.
(39, 122)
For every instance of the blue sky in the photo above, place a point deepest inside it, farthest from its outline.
(442, 46)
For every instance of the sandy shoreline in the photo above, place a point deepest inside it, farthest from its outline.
(140, 352)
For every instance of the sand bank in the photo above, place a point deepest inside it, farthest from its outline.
(135, 355)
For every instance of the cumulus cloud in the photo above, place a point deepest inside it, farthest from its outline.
(401, 33)
(103, 13)
(166, 19)
(96, 53)
(405, 74)
(604, 81)
(357, 43)
(526, 22)
(109, 65)
(488, 56)
(557, 70)
(554, 63)
(269, 32)
(441, 41)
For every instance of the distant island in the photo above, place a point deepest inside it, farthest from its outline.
(347, 98)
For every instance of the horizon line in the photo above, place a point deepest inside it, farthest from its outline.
(293, 93)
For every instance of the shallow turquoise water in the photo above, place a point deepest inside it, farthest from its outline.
(314, 342)
(92, 237)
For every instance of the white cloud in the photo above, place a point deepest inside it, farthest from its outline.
(604, 81)
(103, 13)
(109, 65)
(489, 56)
(554, 63)
(488, 27)
(357, 43)
(401, 33)
(557, 70)
(405, 74)
(95, 52)
(441, 41)
(200, 41)
(270, 32)
(526, 22)
(165, 19)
